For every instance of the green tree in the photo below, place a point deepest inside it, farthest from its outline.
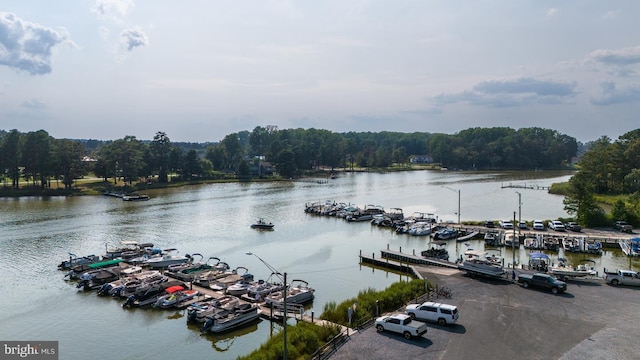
(68, 160)
(36, 157)
(10, 151)
(161, 150)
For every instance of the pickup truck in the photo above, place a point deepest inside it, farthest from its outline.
(542, 281)
(623, 226)
(622, 277)
(402, 324)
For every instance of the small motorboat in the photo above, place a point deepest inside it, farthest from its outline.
(261, 224)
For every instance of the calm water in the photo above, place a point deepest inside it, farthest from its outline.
(36, 234)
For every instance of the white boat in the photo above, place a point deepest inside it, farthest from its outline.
(257, 291)
(238, 288)
(298, 292)
(481, 263)
(226, 320)
(564, 270)
(223, 282)
(200, 310)
(261, 224)
(170, 257)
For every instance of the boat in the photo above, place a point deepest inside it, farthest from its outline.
(189, 271)
(75, 260)
(135, 197)
(257, 291)
(226, 320)
(76, 272)
(125, 246)
(198, 311)
(138, 285)
(551, 244)
(170, 257)
(175, 297)
(492, 238)
(511, 240)
(539, 261)
(534, 242)
(476, 262)
(298, 292)
(564, 270)
(446, 233)
(571, 244)
(420, 229)
(238, 288)
(437, 251)
(630, 247)
(261, 224)
(94, 279)
(223, 282)
(148, 296)
(128, 278)
(593, 247)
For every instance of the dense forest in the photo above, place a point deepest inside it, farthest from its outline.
(608, 168)
(40, 158)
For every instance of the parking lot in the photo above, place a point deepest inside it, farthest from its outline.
(500, 319)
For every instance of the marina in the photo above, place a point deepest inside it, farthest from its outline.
(214, 220)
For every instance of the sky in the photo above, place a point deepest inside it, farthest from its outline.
(199, 70)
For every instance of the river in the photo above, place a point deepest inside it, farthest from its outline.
(36, 234)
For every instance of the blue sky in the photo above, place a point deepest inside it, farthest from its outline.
(199, 70)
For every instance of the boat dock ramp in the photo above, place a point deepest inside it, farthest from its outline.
(403, 262)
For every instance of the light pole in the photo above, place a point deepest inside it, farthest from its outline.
(458, 191)
(284, 300)
(519, 209)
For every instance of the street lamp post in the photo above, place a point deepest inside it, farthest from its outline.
(284, 301)
(519, 209)
(458, 191)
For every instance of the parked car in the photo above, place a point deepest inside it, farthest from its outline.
(506, 224)
(523, 225)
(573, 226)
(623, 226)
(556, 225)
(538, 225)
(489, 224)
(443, 314)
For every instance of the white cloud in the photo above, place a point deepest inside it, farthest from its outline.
(26, 46)
(552, 12)
(115, 10)
(132, 38)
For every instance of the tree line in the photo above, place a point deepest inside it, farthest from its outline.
(608, 169)
(40, 158)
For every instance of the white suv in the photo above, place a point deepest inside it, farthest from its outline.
(556, 225)
(538, 225)
(443, 314)
(506, 224)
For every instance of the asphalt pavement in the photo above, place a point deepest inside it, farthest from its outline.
(501, 320)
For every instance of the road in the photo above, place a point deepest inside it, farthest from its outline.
(500, 319)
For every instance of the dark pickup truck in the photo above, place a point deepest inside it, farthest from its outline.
(542, 281)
